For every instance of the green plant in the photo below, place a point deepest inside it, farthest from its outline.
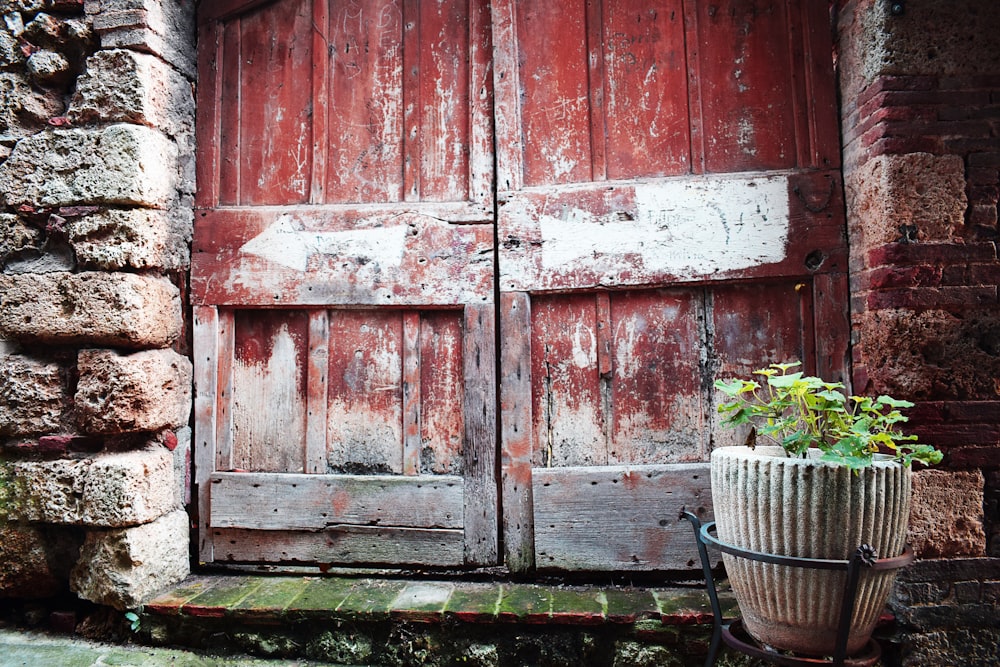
(798, 411)
(134, 620)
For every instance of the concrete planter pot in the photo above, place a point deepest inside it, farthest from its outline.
(767, 502)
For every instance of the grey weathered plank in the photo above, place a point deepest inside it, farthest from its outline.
(479, 360)
(619, 517)
(205, 340)
(349, 545)
(276, 501)
(517, 445)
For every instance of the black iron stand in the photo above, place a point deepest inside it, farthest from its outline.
(732, 632)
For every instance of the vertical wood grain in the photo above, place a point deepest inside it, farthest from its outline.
(479, 409)
(411, 393)
(205, 344)
(226, 335)
(516, 420)
(507, 92)
(317, 382)
(320, 99)
(209, 93)
(480, 93)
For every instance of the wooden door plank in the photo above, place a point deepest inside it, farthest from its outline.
(442, 415)
(595, 44)
(821, 88)
(412, 394)
(745, 86)
(275, 118)
(229, 114)
(481, 105)
(479, 410)
(209, 94)
(347, 545)
(831, 296)
(507, 92)
(276, 501)
(206, 357)
(645, 114)
(688, 229)
(317, 391)
(516, 446)
(226, 335)
(567, 392)
(656, 392)
(320, 100)
(696, 112)
(621, 518)
(366, 105)
(555, 100)
(268, 400)
(365, 412)
(320, 256)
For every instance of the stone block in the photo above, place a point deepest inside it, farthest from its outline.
(24, 109)
(930, 355)
(109, 309)
(49, 68)
(164, 28)
(129, 488)
(120, 164)
(134, 238)
(918, 196)
(32, 396)
(15, 235)
(126, 393)
(127, 86)
(946, 515)
(35, 561)
(110, 490)
(122, 568)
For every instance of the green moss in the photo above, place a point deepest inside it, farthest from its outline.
(11, 491)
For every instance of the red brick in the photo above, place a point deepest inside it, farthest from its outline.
(903, 145)
(907, 254)
(906, 276)
(981, 175)
(949, 98)
(927, 298)
(951, 436)
(989, 159)
(973, 457)
(987, 82)
(884, 83)
(964, 145)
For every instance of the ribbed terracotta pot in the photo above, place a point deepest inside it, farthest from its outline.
(765, 501)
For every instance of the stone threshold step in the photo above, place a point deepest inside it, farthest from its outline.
(276, 599)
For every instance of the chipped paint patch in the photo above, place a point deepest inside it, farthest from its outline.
(284, 243)
(683, 227)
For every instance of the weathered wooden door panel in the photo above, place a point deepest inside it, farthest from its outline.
(343, 283)
(669, 213)
(322, 101)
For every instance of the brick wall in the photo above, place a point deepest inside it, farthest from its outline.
(920, 95)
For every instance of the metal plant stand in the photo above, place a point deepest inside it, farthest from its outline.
(735, 637)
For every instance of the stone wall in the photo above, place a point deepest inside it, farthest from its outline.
(96, 187)
(920, 89)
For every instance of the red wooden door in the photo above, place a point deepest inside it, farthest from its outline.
(665, 207)
(342, 283)
(670, 212)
